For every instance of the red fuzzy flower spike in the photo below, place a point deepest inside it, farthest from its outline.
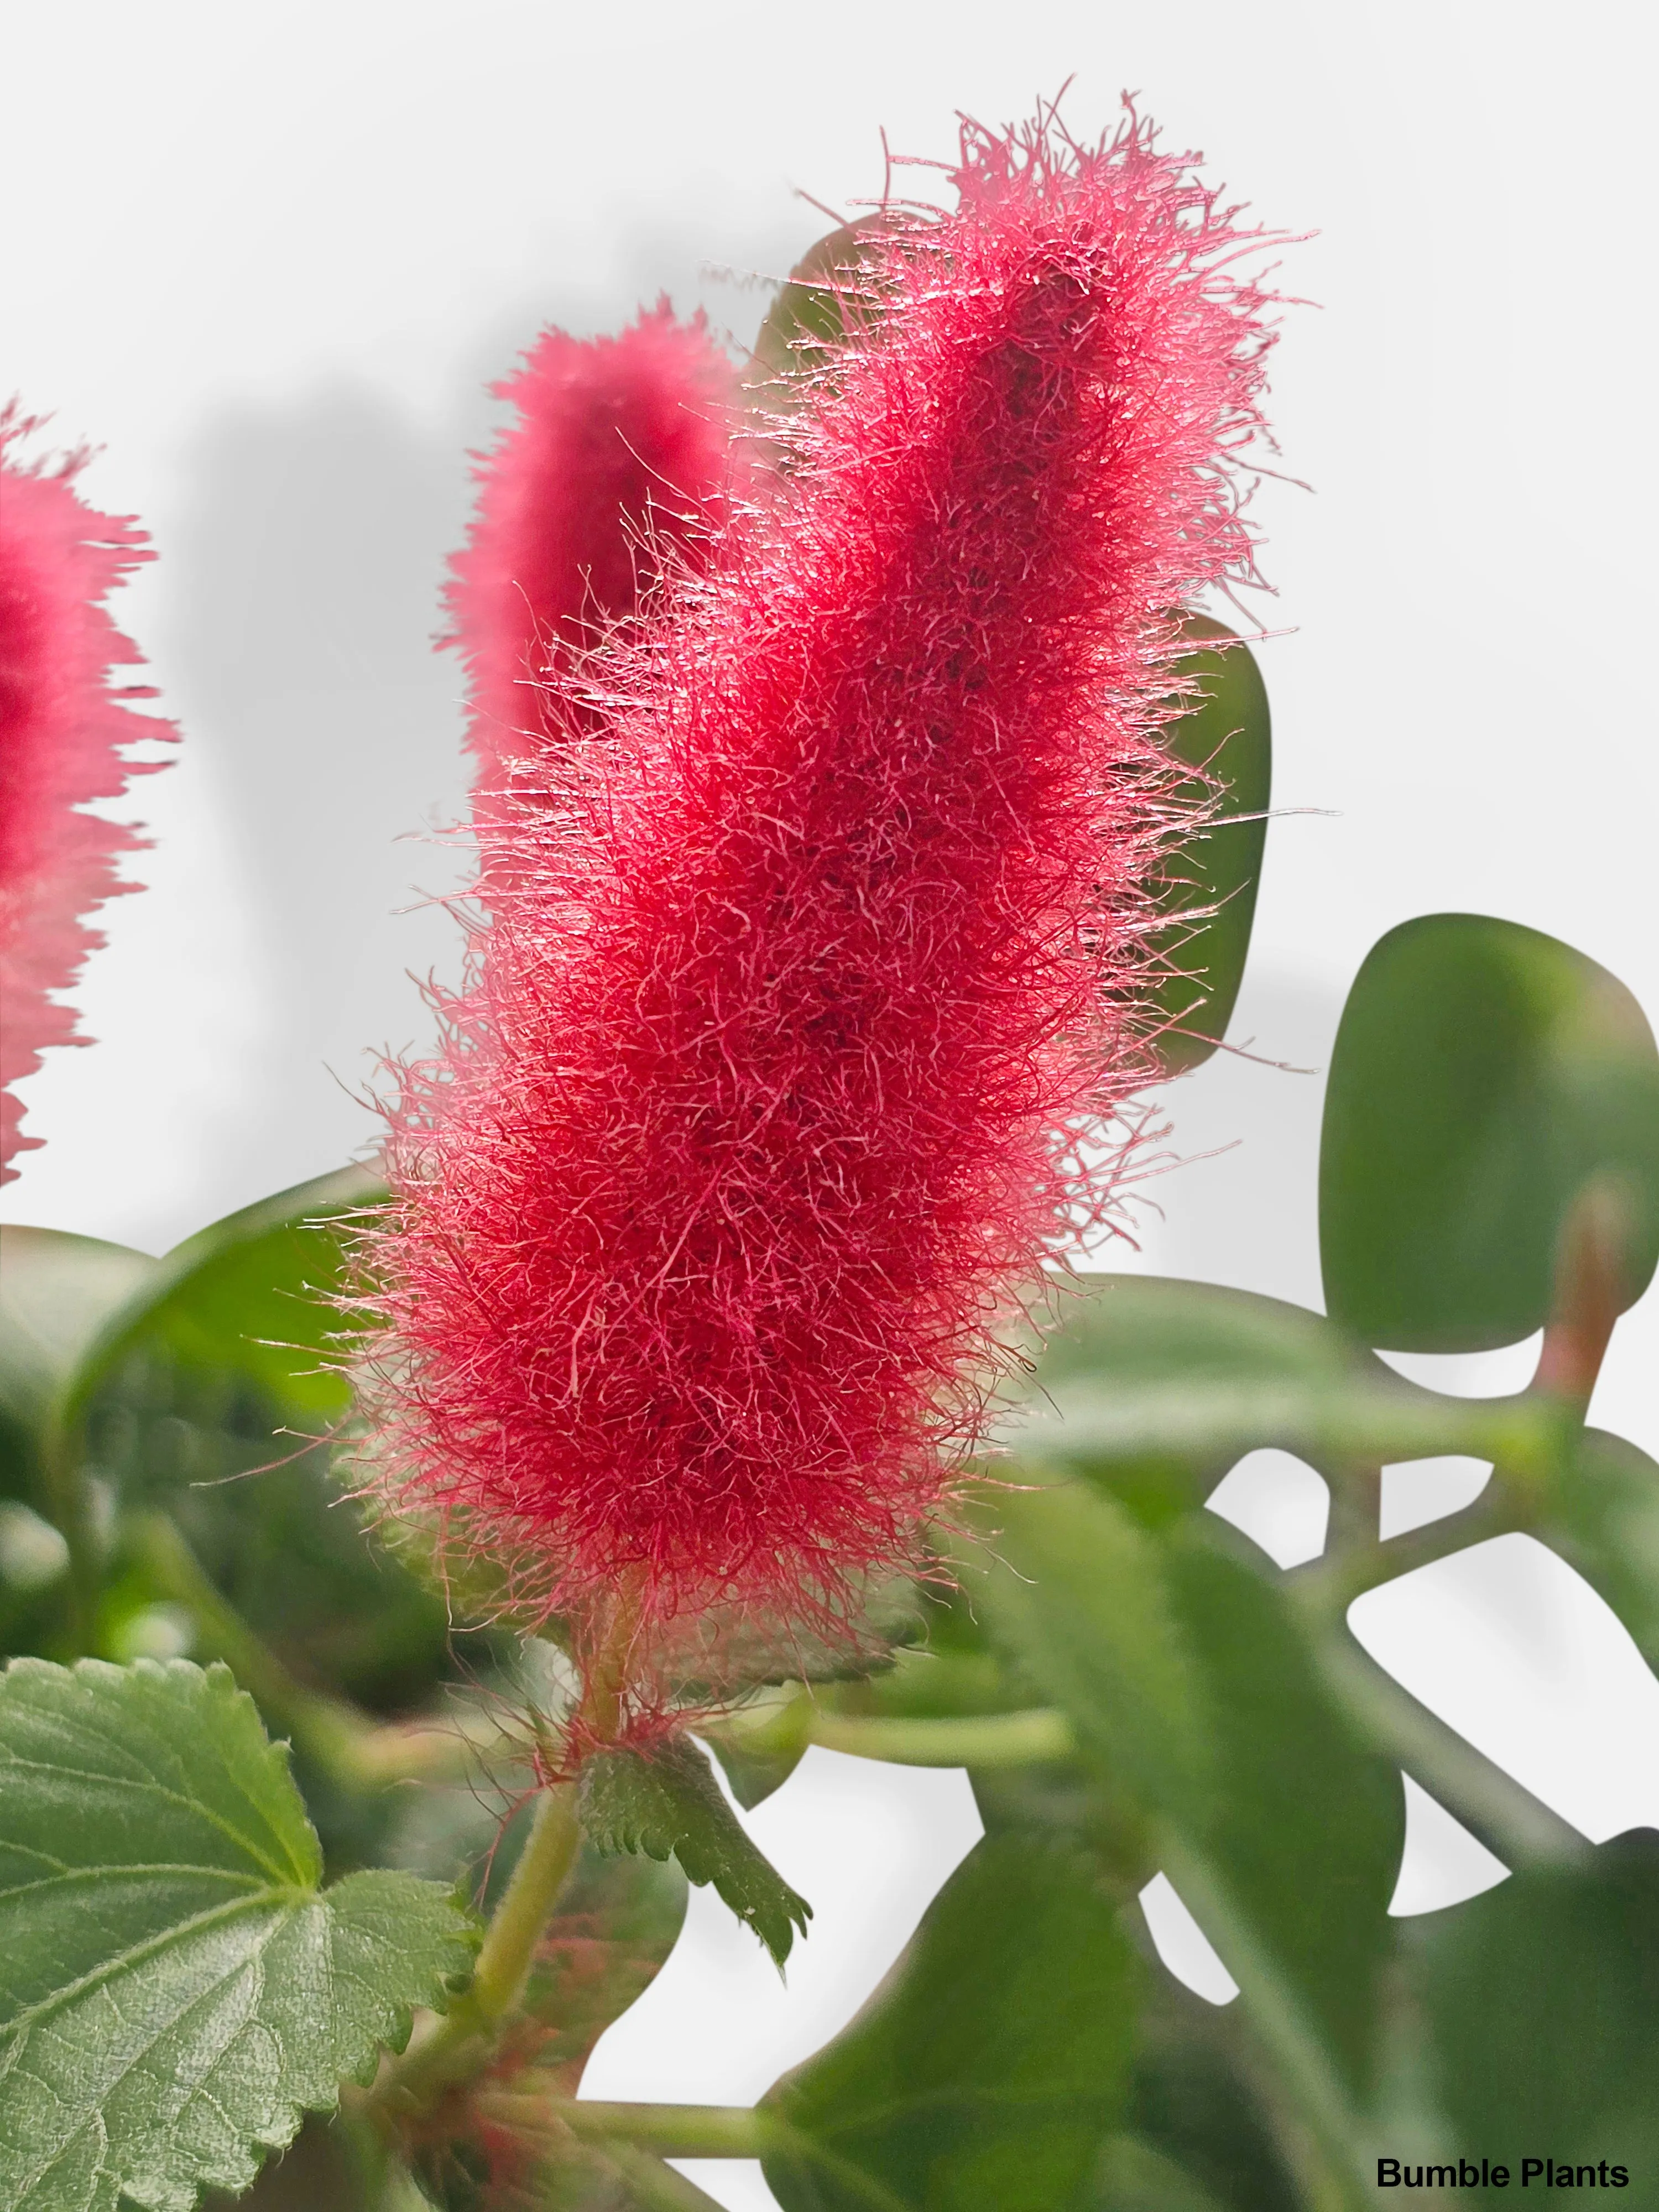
(63, 730)
(760, 1115)
(620, 458)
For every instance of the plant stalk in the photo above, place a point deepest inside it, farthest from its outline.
(666, 2131)
(457, 2043)
(1021, 1739)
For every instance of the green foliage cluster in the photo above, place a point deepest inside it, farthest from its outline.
(201, 1945)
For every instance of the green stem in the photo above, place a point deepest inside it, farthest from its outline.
(1022, 1739)
(458, 2043)
(508, 1950)
(70, 1507)
(656, 2187)
(1519, 1828)
(666, 2131)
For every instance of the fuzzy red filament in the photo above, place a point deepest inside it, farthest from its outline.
(619, 456)
(759, 1115)
(63, 729)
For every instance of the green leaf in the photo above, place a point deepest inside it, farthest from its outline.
(251, 1296)
(990, 2065)
(1306, 1821)
(1196, 2098)
(1484, 1075)
(1135, 2177)
(56, 1292)
(1601, 1514)
(213, 1391)
(1227, 734)
(666, 1801)
(1154, 1387)
(175, 1990)
(1543, 2004)
(826, 299)
(1078, 1594)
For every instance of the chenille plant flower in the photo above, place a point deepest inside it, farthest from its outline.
(758, 1117)
(619, 457)
(64, 730)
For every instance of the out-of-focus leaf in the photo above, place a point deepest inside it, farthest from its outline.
(1225, 733)
(827, 298)
(1603, 1517)
(211, 1391)
(1153, 1387)
(665, 1801)
(758, 1755)
(175, 1990)
(251, 1296)
(990, 2065)
(1194, 2099)
(1078, 1596)
(1543, 2004)
(1135, 2177)
(56, 1292)
(1484, 1076)
(1307, 1821)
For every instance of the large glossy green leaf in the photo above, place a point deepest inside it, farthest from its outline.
(1543, 2006)
(666, 1802)
(175, 1988)
(989, 2069)
(1225, 731)
(1484, 1077)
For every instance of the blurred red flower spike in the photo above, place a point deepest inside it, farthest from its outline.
(618, 461)
(63, 729)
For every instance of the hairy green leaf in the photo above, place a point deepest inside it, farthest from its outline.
(1484, 1077)
(989, 2068)
(665, 1801)
(175, 1989)
(1211, 880)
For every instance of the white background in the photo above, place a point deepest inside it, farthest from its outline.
(267, 256)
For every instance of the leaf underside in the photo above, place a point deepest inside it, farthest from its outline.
(665, 1801)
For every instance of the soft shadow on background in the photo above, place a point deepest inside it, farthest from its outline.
(306, 573)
